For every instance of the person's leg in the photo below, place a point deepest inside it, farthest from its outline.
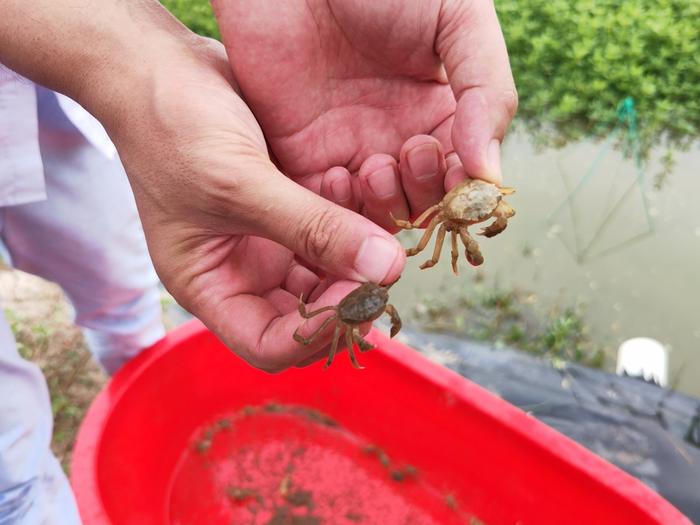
(87, 237)
(33, 488)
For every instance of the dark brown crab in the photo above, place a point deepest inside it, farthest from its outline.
(363, 305)
(468, 203)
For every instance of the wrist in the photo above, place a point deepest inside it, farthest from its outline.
(120, 86)
(100, 54)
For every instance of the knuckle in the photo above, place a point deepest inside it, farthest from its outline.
(321, 233)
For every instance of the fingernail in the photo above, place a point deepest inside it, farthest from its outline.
(493, 157)
(341, 190)
(376, 258)
(423, 161)
(383, 182)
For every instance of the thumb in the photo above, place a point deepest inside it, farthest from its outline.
(341, 242)
(471, 45)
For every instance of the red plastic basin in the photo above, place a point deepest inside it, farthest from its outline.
(189, 434)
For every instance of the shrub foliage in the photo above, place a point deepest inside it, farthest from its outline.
(575, 60)
(195, 14)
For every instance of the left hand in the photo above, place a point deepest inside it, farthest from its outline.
(344, 88)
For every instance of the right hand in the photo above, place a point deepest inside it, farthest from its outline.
(234, 240)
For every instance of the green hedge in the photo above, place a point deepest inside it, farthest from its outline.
(575, 60)
(195, 14)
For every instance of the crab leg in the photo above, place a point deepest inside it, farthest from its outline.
(473, 252)
(408, 225)
(306, 340)
(351, 351)
(334, 346)
(438, 249)
(395, 319)
(425, 238)
(503, 212)
(305, 315)
(363, 345)
(455, 252)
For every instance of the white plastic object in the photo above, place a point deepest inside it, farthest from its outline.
(645, 357)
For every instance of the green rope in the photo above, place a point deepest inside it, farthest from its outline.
(625, 122)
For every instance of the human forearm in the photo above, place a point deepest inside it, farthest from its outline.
(98, 52)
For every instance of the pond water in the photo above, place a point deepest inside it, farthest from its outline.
(584, 232)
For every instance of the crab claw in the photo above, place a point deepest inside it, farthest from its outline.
(494, 229)
(506, 191)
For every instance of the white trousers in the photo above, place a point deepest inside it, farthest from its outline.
(87, 238)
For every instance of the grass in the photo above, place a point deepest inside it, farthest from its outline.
(514, 318)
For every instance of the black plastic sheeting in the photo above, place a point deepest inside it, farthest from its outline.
(650, 432)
